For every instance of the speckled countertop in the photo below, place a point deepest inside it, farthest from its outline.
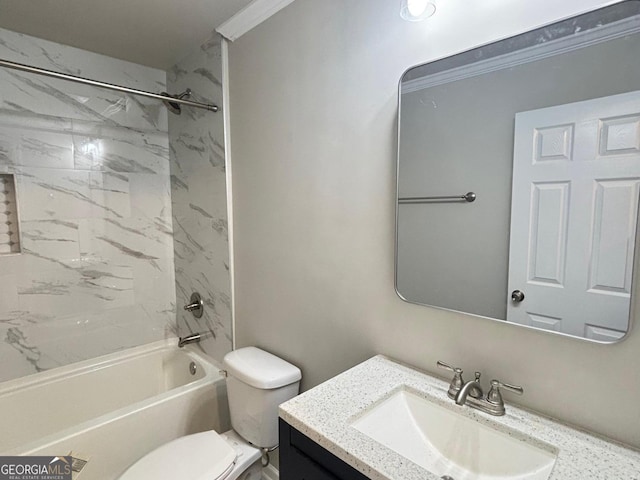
(325, 412)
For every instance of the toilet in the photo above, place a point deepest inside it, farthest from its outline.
(257, 383)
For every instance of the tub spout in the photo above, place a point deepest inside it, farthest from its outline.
(193, 338)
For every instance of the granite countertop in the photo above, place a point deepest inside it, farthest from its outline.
(325, 412)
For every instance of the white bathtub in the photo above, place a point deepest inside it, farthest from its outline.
(113, 409)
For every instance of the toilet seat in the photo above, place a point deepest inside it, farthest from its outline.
(201, 456)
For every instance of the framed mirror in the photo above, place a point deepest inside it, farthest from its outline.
(519, 177)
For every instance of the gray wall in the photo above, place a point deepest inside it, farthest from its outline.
(313, 140)
(456, 255)
(199, 200)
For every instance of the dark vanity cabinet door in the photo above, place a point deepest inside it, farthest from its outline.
(303, 459)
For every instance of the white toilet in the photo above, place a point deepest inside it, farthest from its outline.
(257, 383)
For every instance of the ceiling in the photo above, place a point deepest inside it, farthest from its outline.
(156, 33)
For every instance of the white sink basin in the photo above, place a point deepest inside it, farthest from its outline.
(451, 445)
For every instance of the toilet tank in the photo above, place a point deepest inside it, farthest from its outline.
(257, 383)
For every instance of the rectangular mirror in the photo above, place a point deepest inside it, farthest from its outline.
(519, 177)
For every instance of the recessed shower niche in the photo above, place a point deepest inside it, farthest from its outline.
(9, 228)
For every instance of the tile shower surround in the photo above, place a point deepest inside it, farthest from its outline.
(199, 197)
(92, 171)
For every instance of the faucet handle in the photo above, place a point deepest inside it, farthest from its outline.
(456, 381)
(445, 366)
(196, 307)
(495, 397)
(510, 388)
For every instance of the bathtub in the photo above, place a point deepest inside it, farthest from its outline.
(114, 409)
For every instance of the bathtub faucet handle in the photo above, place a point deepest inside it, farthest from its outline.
(196, 306)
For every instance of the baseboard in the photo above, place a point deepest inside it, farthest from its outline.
(270, 473)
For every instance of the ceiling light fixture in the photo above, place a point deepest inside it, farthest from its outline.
(417, 10)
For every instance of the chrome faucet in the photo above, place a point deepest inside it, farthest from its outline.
(193, 338)
(471, 393)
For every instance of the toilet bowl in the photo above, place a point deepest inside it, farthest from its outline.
(201, 456)
(257, 383)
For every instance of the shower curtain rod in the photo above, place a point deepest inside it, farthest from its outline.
(109, 86)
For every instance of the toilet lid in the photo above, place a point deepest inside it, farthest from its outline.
(201, 456)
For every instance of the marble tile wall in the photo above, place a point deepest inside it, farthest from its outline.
(199, 202)
(92, 170)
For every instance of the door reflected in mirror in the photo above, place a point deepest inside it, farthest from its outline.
(544, 129)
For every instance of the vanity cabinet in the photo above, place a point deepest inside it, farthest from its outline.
(303, 459)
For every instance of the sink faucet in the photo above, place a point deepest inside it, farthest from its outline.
(472, 388)
(471, 393)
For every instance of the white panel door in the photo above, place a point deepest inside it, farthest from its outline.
(574, 209)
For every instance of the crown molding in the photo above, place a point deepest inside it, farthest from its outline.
(249, 17)
(526, 55)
